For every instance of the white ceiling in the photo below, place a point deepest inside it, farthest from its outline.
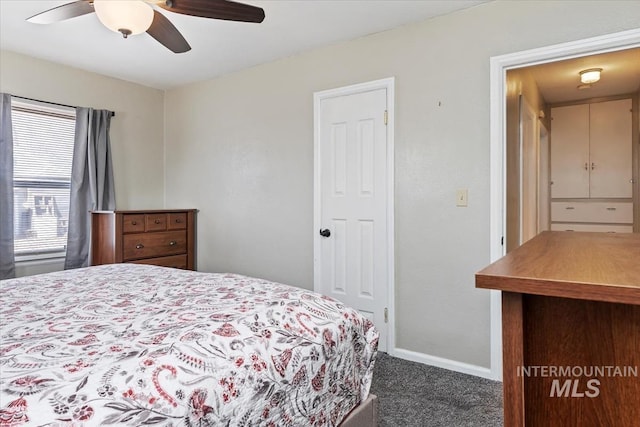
(218, 47)
(558, 81)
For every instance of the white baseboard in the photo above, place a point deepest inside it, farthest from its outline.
(440, 362)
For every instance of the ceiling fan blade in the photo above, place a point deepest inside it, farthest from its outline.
(60, 13)
(217, 9)
(164, 32)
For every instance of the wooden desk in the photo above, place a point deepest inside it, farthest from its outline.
(570, 317)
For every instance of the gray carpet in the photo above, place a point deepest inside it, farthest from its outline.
(413, 394)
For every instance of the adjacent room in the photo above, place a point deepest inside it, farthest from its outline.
(273, 212)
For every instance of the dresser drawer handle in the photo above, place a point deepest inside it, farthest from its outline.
(611, 209)
(178, 220)
(569, 208)
(173, 243)
(134, 222)
(157, 221)
(139, 246)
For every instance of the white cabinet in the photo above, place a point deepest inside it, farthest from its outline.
(610, 149)
(570, 151)
(591, 151)
(585, 211)
(586, 215)
(592, 167)
(598, 228)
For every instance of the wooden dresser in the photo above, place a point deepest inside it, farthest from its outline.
(159, 237)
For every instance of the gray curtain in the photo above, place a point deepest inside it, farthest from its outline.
(91, 181)
(7, 256)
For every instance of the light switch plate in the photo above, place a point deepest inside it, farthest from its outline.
(462, 197)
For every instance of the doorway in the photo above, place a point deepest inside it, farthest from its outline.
(353, 201)
(498, 221)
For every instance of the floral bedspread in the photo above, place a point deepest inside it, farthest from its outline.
(138, 345)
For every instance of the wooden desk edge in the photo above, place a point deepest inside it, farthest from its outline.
(564, 289)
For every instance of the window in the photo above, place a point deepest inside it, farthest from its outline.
(42, 155)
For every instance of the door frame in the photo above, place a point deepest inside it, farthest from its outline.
(318, 97)
(525, 109)
(498, 73)
(544, 178)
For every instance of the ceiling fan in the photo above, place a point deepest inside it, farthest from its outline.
(130, 17)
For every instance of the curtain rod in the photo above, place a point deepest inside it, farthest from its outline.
(52, 103)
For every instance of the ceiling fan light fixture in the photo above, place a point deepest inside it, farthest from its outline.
(127, 17)
(590, 76)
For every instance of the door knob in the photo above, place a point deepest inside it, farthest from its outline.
(325, 232)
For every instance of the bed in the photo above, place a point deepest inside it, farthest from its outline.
(127, 344)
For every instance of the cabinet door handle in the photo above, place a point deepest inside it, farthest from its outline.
(173, 243)
(586, 166)
(569, 208)
(593, 166)
(139, 246)
(611, 209)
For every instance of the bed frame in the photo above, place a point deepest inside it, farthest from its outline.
(365, 415)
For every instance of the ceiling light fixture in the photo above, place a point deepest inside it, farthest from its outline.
(590, 76)
(128, 17)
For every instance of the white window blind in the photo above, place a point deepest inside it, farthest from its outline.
(42, 155)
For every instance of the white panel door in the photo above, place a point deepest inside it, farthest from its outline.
(610, 149)
(570, 151)
(353, 207)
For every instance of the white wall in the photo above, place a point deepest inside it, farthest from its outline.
(136, 129)
(240, 149)
(519, 82)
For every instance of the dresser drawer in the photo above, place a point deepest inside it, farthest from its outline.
(175, 261)
(152, 245)
(155, 222)
(177, 221)
(600, 228)
(603, 212)
(133, 223)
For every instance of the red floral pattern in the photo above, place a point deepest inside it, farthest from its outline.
(143, 345)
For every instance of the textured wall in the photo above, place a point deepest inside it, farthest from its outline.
(240, 149)
(136, 130)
